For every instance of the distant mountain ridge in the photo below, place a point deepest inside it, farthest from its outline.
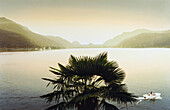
(125, 35)
(147, 40)
(138, 39)
(13, 35)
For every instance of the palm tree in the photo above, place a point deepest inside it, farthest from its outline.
(88, 83)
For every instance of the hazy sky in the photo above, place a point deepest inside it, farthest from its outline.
(87, 20)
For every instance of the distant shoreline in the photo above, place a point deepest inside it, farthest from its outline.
(32, 49)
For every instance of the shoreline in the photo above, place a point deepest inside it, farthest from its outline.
(32, 49)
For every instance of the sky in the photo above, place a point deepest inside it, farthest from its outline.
(87, 21)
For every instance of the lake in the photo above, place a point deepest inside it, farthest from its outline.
(21, 72)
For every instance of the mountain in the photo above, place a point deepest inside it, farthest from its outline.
(117, 39)
(140, 38)
(147, 40)
(76, 44)
(60, 41)
(13, 35)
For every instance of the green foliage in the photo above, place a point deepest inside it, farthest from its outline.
(87, 82)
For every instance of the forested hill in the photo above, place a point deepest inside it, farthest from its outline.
(140, 38)
(13, 35)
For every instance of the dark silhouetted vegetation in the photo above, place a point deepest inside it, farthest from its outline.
(88, 83)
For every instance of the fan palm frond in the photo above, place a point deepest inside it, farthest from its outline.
(107, 106)
(54, 96)
(86, 81)
(59, 106)
(118, 93)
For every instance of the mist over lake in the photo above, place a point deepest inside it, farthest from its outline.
(21, 72)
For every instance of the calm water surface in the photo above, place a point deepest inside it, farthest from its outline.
(21, 72)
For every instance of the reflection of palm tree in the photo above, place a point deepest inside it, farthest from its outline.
(88, 83)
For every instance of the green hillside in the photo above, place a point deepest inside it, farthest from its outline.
(140, 38)
(13, 35)
(117, 39)
(10, 39)
(60, 41)
(147, 40)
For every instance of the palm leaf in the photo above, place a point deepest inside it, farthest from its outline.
(79, 84)
(56, 73)
(52, 96)
(59, 106)
(107, 106)
(118, 93)
(53, 81)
